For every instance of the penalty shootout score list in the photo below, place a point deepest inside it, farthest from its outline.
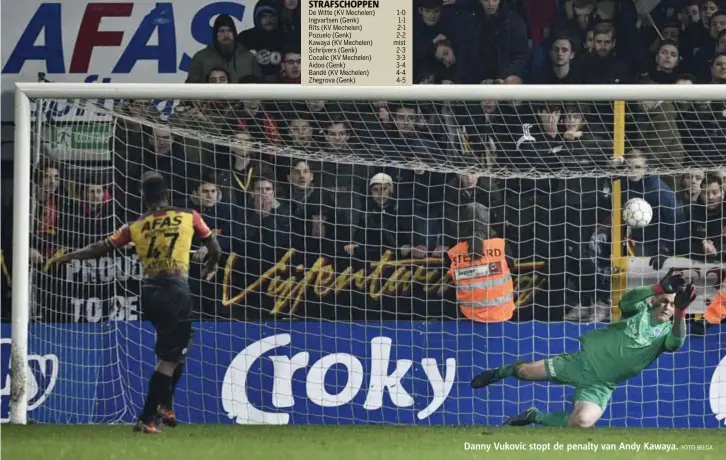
(357, 42)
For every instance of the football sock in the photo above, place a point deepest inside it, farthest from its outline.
(510, 370)
(551, 418)
(169, 400)
(159, 386)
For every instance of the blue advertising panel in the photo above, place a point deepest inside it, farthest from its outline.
(342, 373)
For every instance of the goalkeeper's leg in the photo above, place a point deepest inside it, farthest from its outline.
(584, 415)
(520, 370)
(591, 396)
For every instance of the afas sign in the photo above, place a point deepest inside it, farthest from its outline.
(105, 41)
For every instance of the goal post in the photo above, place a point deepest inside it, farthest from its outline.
(85, 94)
(21, 260)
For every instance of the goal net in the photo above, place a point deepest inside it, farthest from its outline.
(333, 303)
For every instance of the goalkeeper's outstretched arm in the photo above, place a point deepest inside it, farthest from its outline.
(92, 251)
(684, 297)
(119, 238)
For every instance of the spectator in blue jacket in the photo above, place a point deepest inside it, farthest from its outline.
(661, 235)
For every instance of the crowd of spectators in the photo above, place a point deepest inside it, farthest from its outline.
(328, 178)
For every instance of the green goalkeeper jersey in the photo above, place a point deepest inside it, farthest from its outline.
(626, 347)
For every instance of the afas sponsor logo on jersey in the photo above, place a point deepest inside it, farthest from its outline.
(322, 379)
(42, 378)
(106, 41)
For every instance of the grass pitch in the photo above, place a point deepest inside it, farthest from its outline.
(221, 442)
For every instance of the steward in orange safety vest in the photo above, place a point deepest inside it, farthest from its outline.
(717, 308)
(479, 269)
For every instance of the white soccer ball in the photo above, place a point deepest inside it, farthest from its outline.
(637, 213)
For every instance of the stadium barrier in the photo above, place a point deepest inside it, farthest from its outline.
(338, 373)
(108, 288)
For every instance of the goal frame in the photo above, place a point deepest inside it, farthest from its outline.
(24, 92)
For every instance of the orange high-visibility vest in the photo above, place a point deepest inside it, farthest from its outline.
(484, 287)
(717, 308)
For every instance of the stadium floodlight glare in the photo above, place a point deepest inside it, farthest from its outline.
(32, 128)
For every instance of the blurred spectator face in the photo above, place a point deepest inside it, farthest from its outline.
(252, 105)
(301, 132)
(718, 23)
(712, 195)
(292, 4)
(162, 141)
(718, 69)
(94, 194)
(574, 121)
(445, 54)
(337, 136)
(242, 147)
(218, 76)
(467, 180)
(315, 105)
(430, 16)
(263, 195)
(381, 193)
(636, 164)
(590, 41)
(671, 33)
(225, 37)
(300, 175)
(546, 116)
(692, 184)
(405, 120)
(694, 13)
(49, 182)
(268, 22)
(649, 105)
(583, 15)
(291, 65)
(721, 44)
(489, 106)
(604, 44)
(208, 195)
(706, 11)
(490, 6)
(427, 80)
(667, 58)
(561, 53)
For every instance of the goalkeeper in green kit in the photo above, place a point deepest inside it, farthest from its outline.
(609, 356)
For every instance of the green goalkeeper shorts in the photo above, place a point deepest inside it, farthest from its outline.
(574, 369)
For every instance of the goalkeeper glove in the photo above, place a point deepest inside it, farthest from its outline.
(670, 284)
(684, 297)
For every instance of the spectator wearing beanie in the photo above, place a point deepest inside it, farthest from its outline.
(223, 53)
(266, 39)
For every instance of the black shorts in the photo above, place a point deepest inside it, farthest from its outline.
(167, 303)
